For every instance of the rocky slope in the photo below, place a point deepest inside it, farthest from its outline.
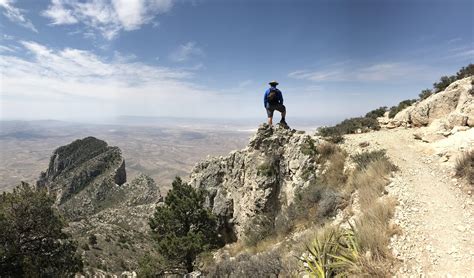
(108, 215)
(452, 107)
(261, 179)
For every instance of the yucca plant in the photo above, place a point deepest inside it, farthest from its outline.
(347, 258)
(334, 253)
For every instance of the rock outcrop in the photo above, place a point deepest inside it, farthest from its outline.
(453, 107)
(261, 179)
(89, 180)
(84, 175)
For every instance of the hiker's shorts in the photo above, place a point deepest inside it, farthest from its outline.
(278, 107)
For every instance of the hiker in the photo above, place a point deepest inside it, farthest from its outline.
(273, 100)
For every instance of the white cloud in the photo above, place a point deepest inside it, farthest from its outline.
(374, 72)
(50, 82)
(4, 48)
(58, 14)
(16, 15)
(109, 17)
(186, 52)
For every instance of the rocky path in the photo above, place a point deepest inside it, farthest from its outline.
(436, 217)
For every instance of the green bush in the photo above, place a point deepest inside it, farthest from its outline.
(266, 169)
(402, 105)
(335, 139)
(258, 229)
(363, 160)
(425, 94)
(32, 241)
(465, 166)
(308, 147)
(444, 82)
(152, 266)
(379, 112)
(183, 227)
(350, 126)
(465, 72)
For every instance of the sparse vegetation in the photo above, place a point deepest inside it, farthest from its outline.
(362, 250)
(350, 126)
(465, 166)
(402, 105)
(92, 239)
(268, 264)
(182, 227)
(308, 147)
(443, 83)
(258, 229)
(266, 168)
(425, 94)
(364, 159)
(152, 266)
(335, 176)
(32, 243)
(379, 112)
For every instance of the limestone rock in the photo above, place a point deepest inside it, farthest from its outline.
(455, 104)
(259, 180)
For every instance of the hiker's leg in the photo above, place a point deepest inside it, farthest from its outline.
(270, 115)
(282, 110)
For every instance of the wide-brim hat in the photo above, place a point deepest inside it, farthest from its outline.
(273, 82)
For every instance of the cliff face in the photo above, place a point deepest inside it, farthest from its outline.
(259, 180)
(83, 175)
(89, 180)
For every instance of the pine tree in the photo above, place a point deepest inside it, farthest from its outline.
(32, 242)
(182, 226)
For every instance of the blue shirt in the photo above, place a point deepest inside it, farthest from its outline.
(279, 97)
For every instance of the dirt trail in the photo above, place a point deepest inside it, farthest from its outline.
(436, 216)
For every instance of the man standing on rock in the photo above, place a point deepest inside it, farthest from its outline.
(273, 100)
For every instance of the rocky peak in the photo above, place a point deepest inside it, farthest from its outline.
(87, 176)
(90, 181)
(260, 179)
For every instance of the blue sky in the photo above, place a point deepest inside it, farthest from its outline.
(92, 59)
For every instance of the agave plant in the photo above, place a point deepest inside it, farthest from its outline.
(334, 253)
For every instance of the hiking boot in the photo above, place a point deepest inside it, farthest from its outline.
(284, 124)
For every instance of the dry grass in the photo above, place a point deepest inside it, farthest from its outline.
(335, 158)
(374, 229)
(371, 181)
(325, 150)
(465, 166)
(335, 176)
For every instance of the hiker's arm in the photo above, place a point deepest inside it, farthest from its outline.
(280, 97)
(265, 100)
